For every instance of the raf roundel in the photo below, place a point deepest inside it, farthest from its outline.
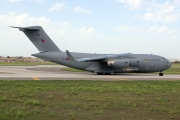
(42, 40)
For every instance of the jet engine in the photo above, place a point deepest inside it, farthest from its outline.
(123, 63)
(118, 63)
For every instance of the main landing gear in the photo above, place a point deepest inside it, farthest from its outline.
(103, 73)
(160, 74)
(99, 73)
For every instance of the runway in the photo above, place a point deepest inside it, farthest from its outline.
(54, 72)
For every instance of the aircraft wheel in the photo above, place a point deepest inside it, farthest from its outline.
(107, 73)
(160, 74)
(99, 73)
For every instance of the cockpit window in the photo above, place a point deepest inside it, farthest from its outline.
(163, 59)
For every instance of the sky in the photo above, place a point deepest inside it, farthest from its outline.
(94, 26)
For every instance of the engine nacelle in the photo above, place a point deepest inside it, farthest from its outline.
(118, 63)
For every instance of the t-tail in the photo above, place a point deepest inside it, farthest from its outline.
(39, 38)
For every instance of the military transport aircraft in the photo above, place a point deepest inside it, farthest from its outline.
(97, 63)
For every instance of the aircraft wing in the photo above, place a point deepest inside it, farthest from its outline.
(97, 58)
(103, 57)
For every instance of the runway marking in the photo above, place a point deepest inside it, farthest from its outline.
(118, 78)
(35, 78)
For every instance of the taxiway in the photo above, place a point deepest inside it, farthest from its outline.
(54, 72)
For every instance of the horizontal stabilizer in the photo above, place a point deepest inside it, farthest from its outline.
(33, 28)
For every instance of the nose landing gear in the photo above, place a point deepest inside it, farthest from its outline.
(160, 74)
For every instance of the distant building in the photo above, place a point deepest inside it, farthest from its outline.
(174, 60)
(20, 59)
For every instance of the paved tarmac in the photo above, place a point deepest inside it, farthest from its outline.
(54, 72)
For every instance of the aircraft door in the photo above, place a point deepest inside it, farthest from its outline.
(154, 66)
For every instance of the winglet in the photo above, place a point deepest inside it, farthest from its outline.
(70, 57)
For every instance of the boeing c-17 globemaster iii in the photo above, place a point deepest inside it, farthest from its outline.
(97, 63)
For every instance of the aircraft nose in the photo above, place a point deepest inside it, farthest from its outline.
(169, 64)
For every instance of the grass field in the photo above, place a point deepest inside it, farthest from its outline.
(176, 64)
(90, 100)
(25, 63)
(175, 69)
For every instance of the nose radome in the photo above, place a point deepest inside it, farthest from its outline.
(169, 64)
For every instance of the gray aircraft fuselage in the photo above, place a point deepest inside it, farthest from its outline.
(98, 63)
(138, 63)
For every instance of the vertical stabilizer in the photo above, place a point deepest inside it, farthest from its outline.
(39, 38)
